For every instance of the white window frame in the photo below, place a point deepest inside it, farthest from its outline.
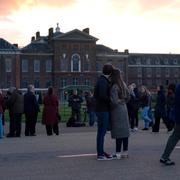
(8, 64)
(79, 65)
(48, 65)
(24, 70)
(37, 70)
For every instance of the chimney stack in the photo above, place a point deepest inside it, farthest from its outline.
(37, 35)
(50, 35)
(16, 45)
(86, 30)
(32, 39)
(126, 51)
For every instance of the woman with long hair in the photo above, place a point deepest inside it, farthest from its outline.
(145, 100)
(133, 107)
(119, 95)
(50, 112)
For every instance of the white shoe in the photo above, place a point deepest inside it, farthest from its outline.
(116, 156)
(125, 154)
(135, 129)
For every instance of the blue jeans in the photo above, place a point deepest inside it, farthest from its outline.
(102, 121)
(145, 116)
(1, 126)
(92, 117)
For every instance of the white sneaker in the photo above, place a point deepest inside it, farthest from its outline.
(125, 154)
(117, 156)
(136, 129)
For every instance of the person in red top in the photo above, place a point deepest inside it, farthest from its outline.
(2, 104)
(50, 113)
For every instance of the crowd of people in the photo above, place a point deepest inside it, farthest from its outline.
(114, 105)
(118, 105)
(18, 103)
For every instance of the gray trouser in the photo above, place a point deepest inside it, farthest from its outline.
(172, 141)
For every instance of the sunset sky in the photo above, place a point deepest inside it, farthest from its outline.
(151, 26)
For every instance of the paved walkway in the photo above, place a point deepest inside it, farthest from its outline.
(71, 156)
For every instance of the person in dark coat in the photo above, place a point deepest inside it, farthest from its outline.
(31, 109)
(174, 138)
(50, 112)
(119, 120)
(170, 100)
(16, 106)
(10, 111)
(102, 96)
(133, 107)
(91, 105)
(160, 110)
(75, 103)
(2, 106)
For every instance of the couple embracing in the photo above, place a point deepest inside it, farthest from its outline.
(112, 94)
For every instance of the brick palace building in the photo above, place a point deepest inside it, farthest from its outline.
(74, 58)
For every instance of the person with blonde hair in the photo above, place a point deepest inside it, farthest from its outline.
(145, 100)
(119, 120)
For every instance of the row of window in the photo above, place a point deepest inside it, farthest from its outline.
(157, 61)
(156, 82)
(157, 71)
(75, 81)
(63, 82)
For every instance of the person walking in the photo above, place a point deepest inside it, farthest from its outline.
(50, 112)
(2, 107)
(102, 96)
(31, 109)
(174, 138)
(145, 101)
(119, 119)
(160, 110)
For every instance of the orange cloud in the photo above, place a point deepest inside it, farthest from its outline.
(154, 4)
(142, 6)
(9, 6)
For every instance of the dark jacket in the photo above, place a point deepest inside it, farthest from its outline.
(2, 104)
(16, 102)
(102, 94)
(133, 103)
(75, 102)
(177, 104)
(31, 106)
(160, 107)
(170, 99)
(145, 100)
(90, 103)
